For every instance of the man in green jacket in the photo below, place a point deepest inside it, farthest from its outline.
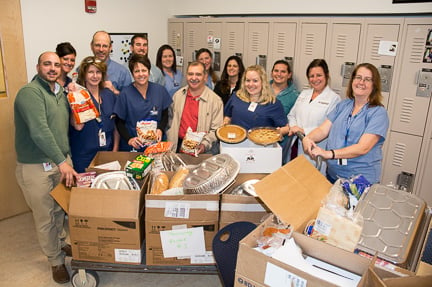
(43, 161)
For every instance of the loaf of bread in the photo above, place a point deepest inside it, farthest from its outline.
(160, 183)
(179, 177)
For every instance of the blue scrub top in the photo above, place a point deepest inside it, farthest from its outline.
(269, 115)
(132, 108)
(346, 130)
(85, 143)
(173, 84)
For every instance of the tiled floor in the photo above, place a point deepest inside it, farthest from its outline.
(22, 263)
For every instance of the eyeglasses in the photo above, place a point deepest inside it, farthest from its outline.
(93, 60)
(365, 79)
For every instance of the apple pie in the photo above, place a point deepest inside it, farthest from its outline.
(264, 135)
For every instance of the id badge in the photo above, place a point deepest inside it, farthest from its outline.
(47, 166)
(154, 112)
(252, 107)
(102, 138)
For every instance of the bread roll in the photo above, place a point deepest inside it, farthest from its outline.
(160, 183)
(179, 177)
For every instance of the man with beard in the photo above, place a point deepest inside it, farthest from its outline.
(139, 45)
(118, 75)
(43, 160)
(195, 106)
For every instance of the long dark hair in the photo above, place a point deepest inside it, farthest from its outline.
(224, 81)
(159, 58)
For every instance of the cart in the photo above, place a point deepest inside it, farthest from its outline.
(85, 272)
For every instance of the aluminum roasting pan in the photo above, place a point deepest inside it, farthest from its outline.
(212, 176)
(391, 220)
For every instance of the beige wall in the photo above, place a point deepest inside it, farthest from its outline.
(11, 199)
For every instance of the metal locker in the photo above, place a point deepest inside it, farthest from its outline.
(343, 53)
(312, 46)
(425, 184)
(213, 35)
(194, 40)
(232, 42)
(257, 44)
(401, 156)
(378, 35)
(282, 43)
(175, 40)
(410, 110)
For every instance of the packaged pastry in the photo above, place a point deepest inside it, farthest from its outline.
(160, 183)
(85, 179)
(146, 132)
(191, 142)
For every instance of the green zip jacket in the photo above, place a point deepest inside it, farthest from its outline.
(41, 123)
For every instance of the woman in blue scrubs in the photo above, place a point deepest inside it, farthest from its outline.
(98, 134)
(255, 104)
(140, 101)
(166, 61)
(355, 129)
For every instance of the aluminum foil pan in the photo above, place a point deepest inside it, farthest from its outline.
(212, 176)
(115, 180)
(391, 218)
(246, 188)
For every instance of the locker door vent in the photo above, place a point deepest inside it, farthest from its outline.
(310, 44)
(407, 110)
(375, 46)
(417, 50)
(232, 41)
(398, 155)
(191, 39)
(341, 45)
(255, 45)
(281, 42)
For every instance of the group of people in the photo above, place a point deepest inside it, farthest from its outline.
(52, 147)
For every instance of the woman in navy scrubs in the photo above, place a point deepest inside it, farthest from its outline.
(98, 134)
(140, 101)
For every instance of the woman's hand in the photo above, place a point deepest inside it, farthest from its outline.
(308, 145)
(109, 85)
(226, 121)
(159, 135)
(135, 143)
(295, 129)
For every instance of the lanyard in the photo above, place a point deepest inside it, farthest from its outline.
(350, 120)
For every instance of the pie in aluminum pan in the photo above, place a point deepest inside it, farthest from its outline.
(231, 134)
(264, 135)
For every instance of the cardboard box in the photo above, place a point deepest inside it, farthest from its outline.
(234, 208)
(168, 212)
(294, 193)
(103, 157)
(104, 225)
(254, 158)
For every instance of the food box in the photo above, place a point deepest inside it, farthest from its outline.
(139, 167)
(254, 158)
(104, 225)
(235, 207)
(294, 193)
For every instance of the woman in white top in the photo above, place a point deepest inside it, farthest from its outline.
(313, 105)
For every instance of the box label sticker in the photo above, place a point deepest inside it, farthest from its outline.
(127, 255)
(177, 210)
(207, 258)
(276, 276)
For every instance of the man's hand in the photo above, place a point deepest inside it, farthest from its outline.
(67, 173)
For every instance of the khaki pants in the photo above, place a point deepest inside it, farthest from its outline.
(48, 216)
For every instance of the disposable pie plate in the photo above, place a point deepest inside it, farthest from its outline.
(212, 176)
(264, 135)
(246, 188)
(231, 134)
(115, 180)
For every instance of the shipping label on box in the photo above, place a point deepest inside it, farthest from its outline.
(254, 158)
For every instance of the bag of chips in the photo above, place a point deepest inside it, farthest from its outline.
(146, 132)
(82, 106)
(191, 142)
